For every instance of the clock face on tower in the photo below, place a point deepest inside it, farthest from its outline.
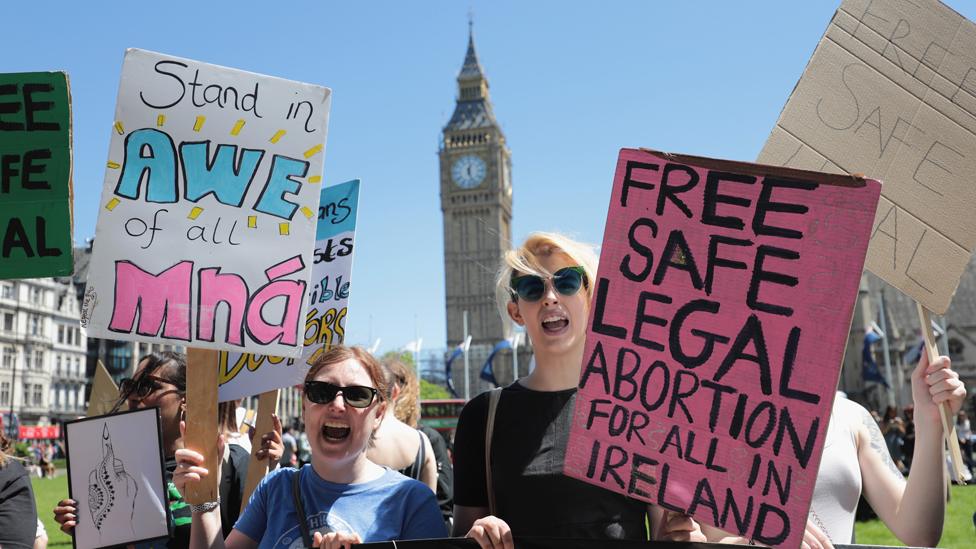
(468, 171)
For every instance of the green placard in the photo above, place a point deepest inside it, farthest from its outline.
(35, 175)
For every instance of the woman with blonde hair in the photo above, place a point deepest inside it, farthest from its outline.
(545, 286)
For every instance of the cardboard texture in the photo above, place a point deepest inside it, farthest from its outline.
(891, 92)
(716, 336)
(104, 393)
(201, 420)
(243, 375)
(257, 469)
(35, 175)
(207, 212)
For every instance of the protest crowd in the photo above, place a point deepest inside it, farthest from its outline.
(685, 374)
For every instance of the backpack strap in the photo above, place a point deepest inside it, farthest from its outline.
(296, 494)
(417, 469)
(493, 397)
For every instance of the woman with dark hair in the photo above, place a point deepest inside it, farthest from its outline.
(160, 381)
(18, 513)
(341, 497)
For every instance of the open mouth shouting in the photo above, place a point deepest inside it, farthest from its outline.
(555, 323)
(335, 431)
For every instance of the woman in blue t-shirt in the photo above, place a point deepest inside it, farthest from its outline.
(341, 497)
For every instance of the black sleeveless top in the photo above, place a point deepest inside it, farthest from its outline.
(527, 454)
(413, 471)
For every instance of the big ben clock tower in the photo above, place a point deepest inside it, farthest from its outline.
(476, 199)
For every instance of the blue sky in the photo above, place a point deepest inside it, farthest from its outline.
(571, 82)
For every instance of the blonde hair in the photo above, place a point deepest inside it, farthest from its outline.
(526, 260)
(406, 407)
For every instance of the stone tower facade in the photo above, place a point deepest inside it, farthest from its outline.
(476, 201)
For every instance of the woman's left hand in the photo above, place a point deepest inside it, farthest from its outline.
(272, 447)
(335, 540)
(934, 384)
(679, 527)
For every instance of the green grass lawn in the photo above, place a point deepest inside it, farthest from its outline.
(47, 492)
(958, 531)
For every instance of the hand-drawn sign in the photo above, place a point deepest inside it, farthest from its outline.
(115, 473)
(208, 207)
(716, 336)
(243, 375)
(35, 175)
(891, 92)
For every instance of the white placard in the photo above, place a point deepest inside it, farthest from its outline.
(208, 210)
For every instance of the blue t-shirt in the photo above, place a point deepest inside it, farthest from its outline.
(392, 507)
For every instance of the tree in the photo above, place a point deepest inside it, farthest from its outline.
(428, 390)
(431, 391)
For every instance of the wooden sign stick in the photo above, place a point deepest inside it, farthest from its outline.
(948, 427)
(257, 469)
(201, 420)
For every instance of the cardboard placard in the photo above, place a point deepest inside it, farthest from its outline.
(243, 375)
(208, 208)
(891, 92)
(104, 393)
(115, 473)
(716, 337)
(35, 175)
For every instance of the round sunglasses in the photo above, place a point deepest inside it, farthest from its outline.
(323, 392)
(567, 281)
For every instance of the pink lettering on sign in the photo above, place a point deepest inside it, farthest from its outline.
(217, 288)
(716, 335)
(162, 301)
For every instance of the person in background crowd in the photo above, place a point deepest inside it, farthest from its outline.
(893, 430)
(407, 409)
(856, 459)
(289, 457)
(342, 497)
(908, 448)
(18, 513)
(304, 449)
(160, 380)
(545, 285)
(398, 445)
(964, 433)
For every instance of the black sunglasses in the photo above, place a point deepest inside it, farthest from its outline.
(566, 281)
(145, 386)
(323, 392)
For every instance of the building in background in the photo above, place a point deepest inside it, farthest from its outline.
(476, 201)
(904, 338)
(42, 352)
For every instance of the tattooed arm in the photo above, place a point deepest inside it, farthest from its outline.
(914, 510)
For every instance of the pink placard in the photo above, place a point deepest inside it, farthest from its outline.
(716, 336)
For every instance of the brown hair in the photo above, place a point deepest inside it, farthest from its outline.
(227, 416)
(154, 363)
(341, 353)
(405, 408)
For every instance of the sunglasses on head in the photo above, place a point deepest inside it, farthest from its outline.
(145, 386)
(323, 392)
(567, 281)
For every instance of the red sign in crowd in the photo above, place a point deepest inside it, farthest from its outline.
(39, 432)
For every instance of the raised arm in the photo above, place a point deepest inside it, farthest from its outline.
(914, 510)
